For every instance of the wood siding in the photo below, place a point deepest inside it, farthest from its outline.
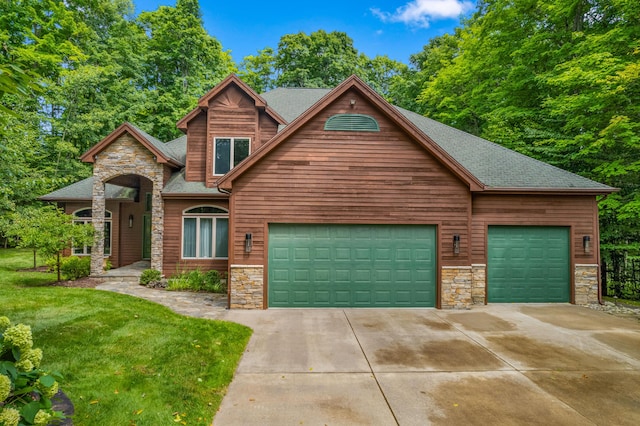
(233, 114)
(172, 260)
(197, 149)
(131, 238)
(576, 212)
(349, 177)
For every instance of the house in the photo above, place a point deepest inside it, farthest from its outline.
(321, 198)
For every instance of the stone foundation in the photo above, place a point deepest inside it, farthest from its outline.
(456, 287)
(586, 282)
(478, 283)
(246, 286)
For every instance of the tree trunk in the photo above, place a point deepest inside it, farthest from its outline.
(59, 267)
(35, 264)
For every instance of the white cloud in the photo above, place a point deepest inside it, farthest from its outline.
(421, 12)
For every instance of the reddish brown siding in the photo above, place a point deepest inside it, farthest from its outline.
(196, 149)
(231, 114)
(349, 177)
(576, 212)
(268, 129)
(131, 238)
(172, 261)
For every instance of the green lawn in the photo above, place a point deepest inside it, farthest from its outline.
(125, 361)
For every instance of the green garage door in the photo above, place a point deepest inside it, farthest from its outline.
(351, 265)
(528, 264)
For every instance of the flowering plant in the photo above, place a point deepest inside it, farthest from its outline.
(25, 389)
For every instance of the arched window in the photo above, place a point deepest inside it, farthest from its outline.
(205, 233)
(84, 216)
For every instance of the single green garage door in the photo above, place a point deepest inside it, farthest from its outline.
(352, 265)
(528, 264)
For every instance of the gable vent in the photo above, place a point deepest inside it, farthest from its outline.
(352, 123)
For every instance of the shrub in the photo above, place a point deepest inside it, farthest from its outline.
(25, 389)
(210, 281)
(150, 277)
(74, 267)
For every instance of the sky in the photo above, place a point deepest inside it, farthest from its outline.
(396, 28)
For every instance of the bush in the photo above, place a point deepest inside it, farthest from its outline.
(210, 281)
(25, 389)
(74, 267)
(150, 277)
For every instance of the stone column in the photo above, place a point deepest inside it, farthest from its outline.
(456, 287)
(479, 283)
(586, 282)
(97, 219)
(246, 286)
(157, 224)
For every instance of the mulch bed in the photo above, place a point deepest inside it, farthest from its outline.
(86, 282)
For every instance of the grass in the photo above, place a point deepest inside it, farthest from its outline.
(125, 361)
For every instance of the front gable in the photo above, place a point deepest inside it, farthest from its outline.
(154, 148)
(230, 111)
(352, 98)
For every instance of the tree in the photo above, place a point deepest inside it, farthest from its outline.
(558, 80)
(49, 231)
(182, 62)
(319, 59)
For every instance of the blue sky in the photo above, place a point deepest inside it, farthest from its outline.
(396, 28)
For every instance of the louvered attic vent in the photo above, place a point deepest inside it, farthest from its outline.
(352, 123)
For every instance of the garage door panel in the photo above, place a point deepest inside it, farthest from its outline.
(352, 265)
(528, 264)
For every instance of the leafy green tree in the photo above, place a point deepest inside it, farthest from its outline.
(558, 80)
(49, 231)
(182, 62)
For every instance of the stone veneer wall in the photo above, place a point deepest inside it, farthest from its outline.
(246, 286)
(456, 287)
(126, 156)
(478, 283)
(586, 282)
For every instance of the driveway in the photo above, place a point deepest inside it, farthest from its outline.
(498, 364)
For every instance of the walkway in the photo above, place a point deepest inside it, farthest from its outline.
(201, 305)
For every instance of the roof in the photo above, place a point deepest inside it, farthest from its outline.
(488, 167)
(497, 167)
(290, 103)
(83, 191)
(177, 186)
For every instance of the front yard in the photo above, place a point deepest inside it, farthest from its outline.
(125, 361)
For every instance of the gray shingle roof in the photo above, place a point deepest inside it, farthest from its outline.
(177, 185)
(290, 103)
(496, 166)
(83, 190)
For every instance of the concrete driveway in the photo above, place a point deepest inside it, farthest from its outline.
(498, 364)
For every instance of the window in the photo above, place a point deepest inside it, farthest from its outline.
(205, 233)
(228, 153)
(84, 216)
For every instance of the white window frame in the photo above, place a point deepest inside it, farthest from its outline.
(231, 153)
(86, 250)
(215, 216)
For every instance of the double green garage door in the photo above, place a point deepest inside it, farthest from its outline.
(352, 265)
(395, 265)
